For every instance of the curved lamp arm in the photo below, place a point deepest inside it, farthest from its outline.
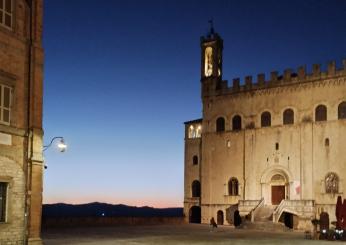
(62, 146)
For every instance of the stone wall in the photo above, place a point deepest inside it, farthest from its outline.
(108, 221)
(21, 68)
(13, 229)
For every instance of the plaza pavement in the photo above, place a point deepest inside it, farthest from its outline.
(170, 234)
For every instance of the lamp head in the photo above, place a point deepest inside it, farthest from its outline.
(62, 146)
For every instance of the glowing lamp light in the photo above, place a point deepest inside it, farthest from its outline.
(62, 146)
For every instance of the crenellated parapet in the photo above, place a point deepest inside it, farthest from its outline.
(288, 77)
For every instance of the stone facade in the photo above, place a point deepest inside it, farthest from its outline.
(21, 161)
(275, 143)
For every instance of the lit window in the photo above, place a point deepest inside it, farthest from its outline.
(191, 131)
(3, 196)
(195, 131)
(208, 63)
(198, 131)
(6, 13)
(5, 104)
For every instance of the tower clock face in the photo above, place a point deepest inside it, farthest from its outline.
(208, 63)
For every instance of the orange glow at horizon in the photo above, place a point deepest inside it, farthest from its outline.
(128, 202)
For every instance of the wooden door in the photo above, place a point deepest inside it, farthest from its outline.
(278, 194)
(219, 217)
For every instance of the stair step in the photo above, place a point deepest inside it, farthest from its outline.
(264, 213)
(265, 226)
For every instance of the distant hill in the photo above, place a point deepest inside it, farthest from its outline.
(97, 209)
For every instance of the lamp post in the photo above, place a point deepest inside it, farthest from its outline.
(61, 145)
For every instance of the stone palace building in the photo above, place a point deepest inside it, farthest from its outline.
(272, 148)
(21, 161)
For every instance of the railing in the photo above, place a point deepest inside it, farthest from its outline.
(255, 209)
(298, 207)
(245, 207)
(278, 210)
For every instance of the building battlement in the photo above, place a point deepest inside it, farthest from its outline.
(288, 77)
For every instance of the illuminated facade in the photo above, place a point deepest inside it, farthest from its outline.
(21, 161)
(272, 148)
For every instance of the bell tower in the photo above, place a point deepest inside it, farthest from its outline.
(211, 62)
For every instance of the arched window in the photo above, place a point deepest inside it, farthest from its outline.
(342, 110)
(220, 124)
(321, 113)
(195, 131)
(192, 133)
(208, 63)
(288, 117)
(266, 120)
(236, 123)
(332, 183)
(196, 189)
(195, 160)
(233, 186)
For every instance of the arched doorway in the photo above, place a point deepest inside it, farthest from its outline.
(279, 176)
(219, 217)
(278, 189)
(195, 214)
(289, 219)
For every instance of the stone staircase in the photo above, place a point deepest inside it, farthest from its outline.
(263, 220)
(264, 213)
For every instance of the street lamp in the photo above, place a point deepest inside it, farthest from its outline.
(61, 145)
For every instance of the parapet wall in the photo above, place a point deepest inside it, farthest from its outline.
(287, 78)
(108, 221)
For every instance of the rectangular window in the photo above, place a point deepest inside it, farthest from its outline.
(5, 104)
(3, 197)
(6, 13)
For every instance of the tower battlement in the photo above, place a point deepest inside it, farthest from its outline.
(288, 77)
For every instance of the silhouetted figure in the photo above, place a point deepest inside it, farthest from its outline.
(324, 225)
(213, 223)
(343, 218)
(237, 219)
(338, 213)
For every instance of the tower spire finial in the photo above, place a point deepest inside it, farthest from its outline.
(211, 22)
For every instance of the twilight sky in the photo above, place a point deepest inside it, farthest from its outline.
(121, 77)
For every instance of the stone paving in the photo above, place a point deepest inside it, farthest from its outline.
(171, 234)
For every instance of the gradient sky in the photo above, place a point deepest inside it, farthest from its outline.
(121, 77)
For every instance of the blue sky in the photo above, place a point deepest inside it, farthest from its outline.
(121, 77)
